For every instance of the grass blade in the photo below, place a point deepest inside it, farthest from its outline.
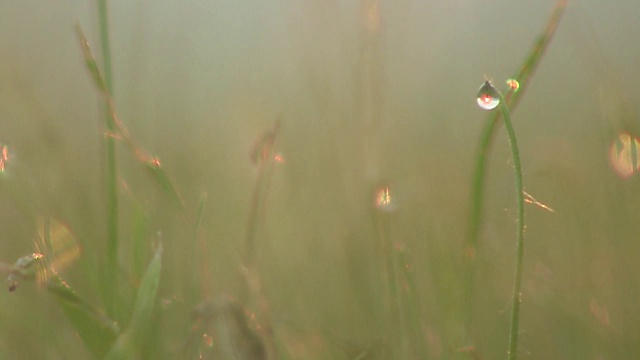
(517, 169)
(117, 130)
(127, 344)
(103, 83)
(97, 331)
(526, 71)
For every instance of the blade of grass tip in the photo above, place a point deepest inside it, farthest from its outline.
(523, 76)
(90, 61)
(517, 169)
(125, 345)
(165, 182)
(97, 331)
(103, 14)
(104, 85)
(116, 127)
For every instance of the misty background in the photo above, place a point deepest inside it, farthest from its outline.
(198, 82)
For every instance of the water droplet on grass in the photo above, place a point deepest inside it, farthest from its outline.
(488, 97)
(513, 84)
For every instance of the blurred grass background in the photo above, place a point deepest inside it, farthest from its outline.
(198, 83)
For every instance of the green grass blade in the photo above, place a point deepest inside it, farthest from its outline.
(161, 177)
(103, 83)
(139, 241)
(117, 129)
(517, 169)
(111, 171)
(90, 61)
(103, 15)
(97, 331)
(526, 71)
(128, 343)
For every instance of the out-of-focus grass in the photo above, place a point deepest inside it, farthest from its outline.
(332, 274)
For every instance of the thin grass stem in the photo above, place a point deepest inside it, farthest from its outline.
(111, 268)
(517, 172)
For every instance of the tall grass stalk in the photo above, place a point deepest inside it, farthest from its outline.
(111, 268)
(517, 173)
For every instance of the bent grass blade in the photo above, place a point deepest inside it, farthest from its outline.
(523, 78)
(119, 130)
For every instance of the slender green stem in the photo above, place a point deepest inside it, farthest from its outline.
(517, 169)
(111, 268)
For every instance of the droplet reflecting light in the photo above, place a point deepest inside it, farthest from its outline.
(513, 84)
(625, 155)
(488, 97)
(383, 199)
(207, 340)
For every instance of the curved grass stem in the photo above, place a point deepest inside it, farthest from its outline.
(517, 169)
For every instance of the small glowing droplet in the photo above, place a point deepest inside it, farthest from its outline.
(207, 340)
(488, 97)
(383, 199)
(154, 163)
(278, 158)
(4, 157)
(625, 155)
(513, 84)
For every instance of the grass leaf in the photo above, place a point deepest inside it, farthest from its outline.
(127, 344)
(96, 330)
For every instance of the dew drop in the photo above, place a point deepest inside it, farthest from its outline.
(384, 200)
(513, 84)
(488, 97)
(624, 155)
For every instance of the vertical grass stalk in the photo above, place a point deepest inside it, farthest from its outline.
(517, 172)
(111, 268)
